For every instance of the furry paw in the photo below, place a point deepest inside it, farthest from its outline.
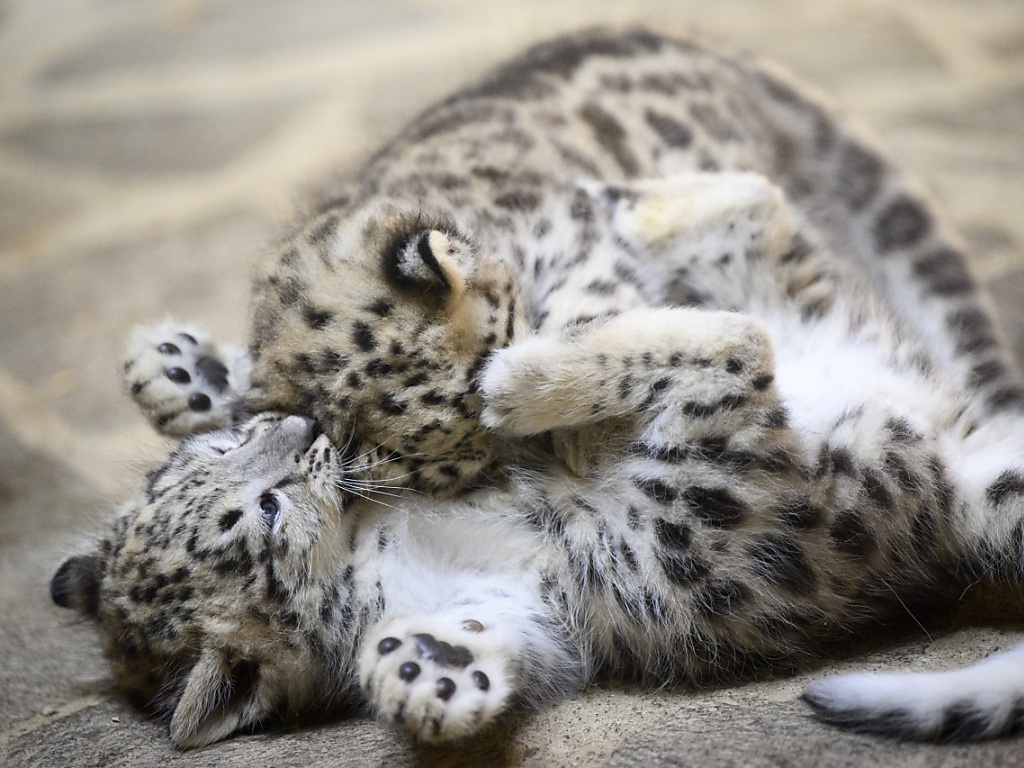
(440, 679)
(706, 211)
(181, 380)
(514, 385)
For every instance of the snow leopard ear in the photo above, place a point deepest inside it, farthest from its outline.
(76, 584)
(221, 696)
(416, 261)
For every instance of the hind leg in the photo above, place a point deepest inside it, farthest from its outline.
(182, 380)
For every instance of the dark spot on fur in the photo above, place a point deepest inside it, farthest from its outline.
(715, 506)
(363, 337)
(1008, 484)
(850, 536)
(963, 721)
(316, 318)
(901, 431)
(972, 329)
(925, 531)
(987, 372)
(610, 136)
(518, 200)
(781, 561)
(777, 418)
(720, 597)
(800, 513)
(876, 489)
(897, 469)
(673, 535)
(859, 177)
(390, 406)
(763, 381)
(683, 570)
(674, 133)
(712, 121)
(229, 519)
(657, 490)
(944, 271)
(902, 224)
(838, 460)
(381, 307)
(432, 398)
(704, 410)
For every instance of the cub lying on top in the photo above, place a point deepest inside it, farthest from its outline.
(692, 378)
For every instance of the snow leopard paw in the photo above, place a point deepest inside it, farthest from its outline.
(182, 381)
(439, 678)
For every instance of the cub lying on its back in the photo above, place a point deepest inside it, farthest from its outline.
(775, 399)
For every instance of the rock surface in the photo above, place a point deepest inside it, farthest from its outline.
(147, 149)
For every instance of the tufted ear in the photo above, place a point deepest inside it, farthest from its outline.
(416, 262)
(220, 697)
(76, 584)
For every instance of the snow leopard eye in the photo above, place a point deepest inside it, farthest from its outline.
(270, 508)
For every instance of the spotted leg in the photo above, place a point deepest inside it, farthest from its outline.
(183, 381)
(626, 366)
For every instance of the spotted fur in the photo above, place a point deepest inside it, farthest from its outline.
(694, 377)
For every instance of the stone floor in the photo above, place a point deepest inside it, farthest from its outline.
(148, 146)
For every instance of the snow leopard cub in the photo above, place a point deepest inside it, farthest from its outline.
(694, 376)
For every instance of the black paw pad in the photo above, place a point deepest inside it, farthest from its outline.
(445, 688)
(442, 653)
(387, 645)
(409, 671)
(481, 681)
(214, 372)
(178, 375)
(199, 402)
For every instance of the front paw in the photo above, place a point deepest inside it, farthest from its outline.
(520, 387)
(440, 679)
(181, 380)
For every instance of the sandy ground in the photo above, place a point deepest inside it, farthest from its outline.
(147, 149)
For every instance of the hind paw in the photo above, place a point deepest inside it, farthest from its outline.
(439, 678)
(182, 381)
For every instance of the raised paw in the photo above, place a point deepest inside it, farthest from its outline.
(708, 208)
(183, 382)
(440, 679)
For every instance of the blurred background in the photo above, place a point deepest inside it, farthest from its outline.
(148, 149)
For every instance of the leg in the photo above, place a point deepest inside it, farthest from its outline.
(448, 672)
(184, 382)
(623, 367)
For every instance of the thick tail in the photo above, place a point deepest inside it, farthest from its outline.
(983, 701)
